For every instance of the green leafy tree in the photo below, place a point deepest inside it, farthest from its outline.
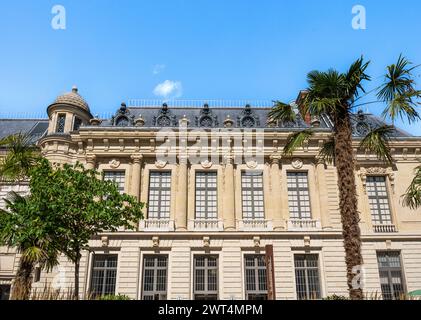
(336, 94)
(81, 206)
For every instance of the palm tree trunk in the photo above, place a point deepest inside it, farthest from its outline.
(348, 202)
(23, 281)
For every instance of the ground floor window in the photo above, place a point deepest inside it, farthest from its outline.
(4, 291)
(104, 274)
(307, 276)
(255, 276)
(205, 277)
(155, 277)
(391, 275)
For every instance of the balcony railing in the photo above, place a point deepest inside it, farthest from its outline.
(384, 228)
(303, 225)
(157, 225)
(206, 225)
(254, 225)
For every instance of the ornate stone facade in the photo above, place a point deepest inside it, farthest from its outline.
(247, 215)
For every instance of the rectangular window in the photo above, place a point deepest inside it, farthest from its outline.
(255, 274)
(155, 277)
(4, 291)
(379, 200)
(104, 275)
(252, 195)
(77, 123)
(307, 276)
(205, 277)
(118, 177)
(206, 195)
(159, 201)
(391, 275)
(298, 195)
(61, 121)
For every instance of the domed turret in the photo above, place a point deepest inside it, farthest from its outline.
(73, 98)
(68, 112)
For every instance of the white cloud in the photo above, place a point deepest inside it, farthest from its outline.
(158, 68)
(169, 89)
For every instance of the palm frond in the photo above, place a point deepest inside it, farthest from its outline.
(296, 140)
(412, 197)
(354, 77)
(399, 80)
(283, 112)
(377, 141)
(327, 152)
(21, 155)
(403, 106)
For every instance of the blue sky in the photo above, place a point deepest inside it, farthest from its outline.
(213, 49)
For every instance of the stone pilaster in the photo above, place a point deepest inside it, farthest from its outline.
(277, 207)
(181, 200)
(136, 174)
(322, 193)
(229, 195)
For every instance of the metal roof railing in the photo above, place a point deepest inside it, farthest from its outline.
(198, 103)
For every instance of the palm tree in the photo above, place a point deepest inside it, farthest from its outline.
(335, 94)
(19, 229)
(412, 197)
(16, 229)
(22, 154)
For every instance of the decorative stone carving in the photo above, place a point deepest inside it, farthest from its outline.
(228, 122)
(247, 118)
(165, 118)
(160, 164)
(139, 121)
(95, 121)
(297, 163)
(122, 118)
(252, 164)
(114, 163)
(377, 171)
(155, 242)
(206, 119)
(184, 121)
(206, 242)
(256, 241)
(104, 241)
(206, 164)
(307, 241)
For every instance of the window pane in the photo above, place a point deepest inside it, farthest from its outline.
(298, 195)
(61, 121)
(255, 272)
(154, 277)
(252, 195)
(116, 176)
(378, 200)
(307, 276)
(159, 195)
(391, 275)
(205, 277)
(206, 195)
(104, 274)
(77, 123)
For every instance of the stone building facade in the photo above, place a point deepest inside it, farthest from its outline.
(210, 218)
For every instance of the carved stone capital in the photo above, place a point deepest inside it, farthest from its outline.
(136, 158)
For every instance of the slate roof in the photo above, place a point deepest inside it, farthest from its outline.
(157, 117)
(36, 128)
